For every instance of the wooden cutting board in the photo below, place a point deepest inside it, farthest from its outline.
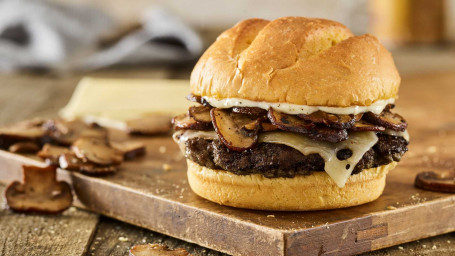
(144, 194)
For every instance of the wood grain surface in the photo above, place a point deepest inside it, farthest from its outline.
(432, 133)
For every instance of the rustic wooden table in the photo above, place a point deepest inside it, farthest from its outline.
(78, 232)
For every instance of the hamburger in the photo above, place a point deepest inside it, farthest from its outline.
(293, 114)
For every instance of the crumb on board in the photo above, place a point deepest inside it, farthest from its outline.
(162, 149)
(432, 149)
(400, 248)
(270, 216)
(167, 167)
(123, 239)
(434, 247)
(391, 207)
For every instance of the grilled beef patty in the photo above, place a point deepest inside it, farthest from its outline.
(277, 160)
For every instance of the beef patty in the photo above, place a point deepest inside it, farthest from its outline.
(277, 160)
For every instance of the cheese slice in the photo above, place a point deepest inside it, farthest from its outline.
(338, 170)
(111, 102)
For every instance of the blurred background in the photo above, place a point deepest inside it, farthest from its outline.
(67, 36)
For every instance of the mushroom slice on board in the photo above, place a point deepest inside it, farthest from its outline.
(436, 181)
(184, 121)
(129, 149)
(387, 119)
(51, 153)
(229, 127)
(70, 162)
(96, 151)
(39, 191)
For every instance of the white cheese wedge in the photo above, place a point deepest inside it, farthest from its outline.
(338, 170)
(111, 102)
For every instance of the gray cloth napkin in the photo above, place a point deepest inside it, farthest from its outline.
(45, 35)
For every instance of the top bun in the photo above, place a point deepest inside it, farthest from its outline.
(296, 60)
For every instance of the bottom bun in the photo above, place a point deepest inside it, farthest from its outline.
(301, 193)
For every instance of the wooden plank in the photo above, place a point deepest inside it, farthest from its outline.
(115, 238)
(32, 234)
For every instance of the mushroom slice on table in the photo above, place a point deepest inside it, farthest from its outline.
(39, 191)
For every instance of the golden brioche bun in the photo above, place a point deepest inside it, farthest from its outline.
(296, 60)
(301, 193)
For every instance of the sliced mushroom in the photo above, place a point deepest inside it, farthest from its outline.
(39, 191)
(388, 120)
(150, 125)
(198, 99)
(331, 120)
(229, 126)
(184, 121)
(289, 122)
(252, 126)
(130, 149)
(268, 127)
(156, 250)
(69, 161)
(362, 126)
(51, 153)
(30, 130)
(66, 133)
(24, 147)
(295, 124)
(97, 151)
(200, 113)
(252, 111)
(436, 181)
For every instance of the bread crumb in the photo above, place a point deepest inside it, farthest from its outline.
(167, 167)
(432, 149)
(434, 247)
(400, 248)
(424, 246)
(123, 239)
(448, 241)
(390, 207)
(162, 149)
(270, 216)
